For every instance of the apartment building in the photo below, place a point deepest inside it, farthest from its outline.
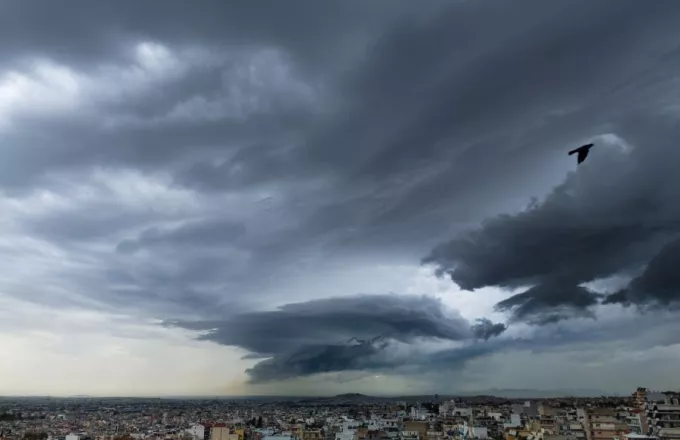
(636, 420)
(417, 427)
(640, 397)
(664, 418)
(220, 431)
(601, 424)
(572, 429)
(547, 418)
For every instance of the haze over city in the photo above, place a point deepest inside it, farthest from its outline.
(321, 197)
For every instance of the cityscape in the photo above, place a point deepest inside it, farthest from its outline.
(644, 415)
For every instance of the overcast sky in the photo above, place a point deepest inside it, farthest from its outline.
(316, 197)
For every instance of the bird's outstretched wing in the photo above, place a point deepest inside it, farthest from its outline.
(582, 154)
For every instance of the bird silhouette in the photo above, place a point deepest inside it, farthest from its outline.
(582, 152)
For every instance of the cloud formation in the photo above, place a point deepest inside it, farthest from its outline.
(609, 217)
(240, 172)
(337, 334)
(484, 328)
(658, 285)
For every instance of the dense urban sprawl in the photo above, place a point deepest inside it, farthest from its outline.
(645, 415)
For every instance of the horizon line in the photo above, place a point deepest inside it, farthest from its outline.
(492, 393)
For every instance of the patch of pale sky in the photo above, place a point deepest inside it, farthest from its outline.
(44, 87)
(125, 356)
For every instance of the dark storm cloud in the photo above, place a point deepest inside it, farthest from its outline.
(336, 320)
(359, 355)
(336, 334)
(484, 328)
(106, 34)
(375, 355)
(658, 285)
(550, 302)
(303, 25)
(413, 105)
(611, 215)
(426, 93)
(419, 116)
(385, 354)
(417, 104)
(368, 138)
(406, 121)
(313, 359)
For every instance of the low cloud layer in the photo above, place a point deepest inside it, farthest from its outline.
(366, 332)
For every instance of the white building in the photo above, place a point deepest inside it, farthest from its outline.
(496, 416)
(515, 421)
(348, 427)
(445, 408)
(634, 422)
(390, 426)
(479, 432)
(197, 431)
(278, 437)
(664, 418)
(634, 436)
(419, 413)
(462, 411)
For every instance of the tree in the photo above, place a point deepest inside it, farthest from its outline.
(7, 417)
(259, 423)
(35, 436)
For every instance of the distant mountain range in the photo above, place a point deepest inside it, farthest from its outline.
(492, 392)
(530, 393)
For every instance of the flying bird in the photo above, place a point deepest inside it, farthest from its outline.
(582, 152)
